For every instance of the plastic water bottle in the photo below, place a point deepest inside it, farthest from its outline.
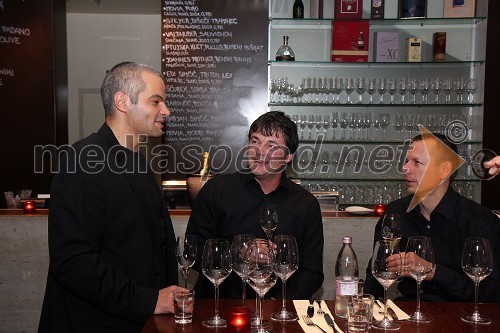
(346, 275)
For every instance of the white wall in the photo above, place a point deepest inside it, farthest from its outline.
(96, 42)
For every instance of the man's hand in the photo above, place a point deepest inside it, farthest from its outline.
(404, 262)
(165, 302)
(494, 165)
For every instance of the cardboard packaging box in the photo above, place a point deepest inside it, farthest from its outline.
(348, 9)
(386, 46)
(459, 8)
(414, 49)
(412, 9)
(439, 46)
(350, 41)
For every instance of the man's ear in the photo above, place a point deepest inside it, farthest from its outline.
(121, 101)
(445, 169)
(289, 158)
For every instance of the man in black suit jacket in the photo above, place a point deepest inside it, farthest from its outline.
(111, 240)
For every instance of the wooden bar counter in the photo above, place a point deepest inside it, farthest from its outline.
(446, 318)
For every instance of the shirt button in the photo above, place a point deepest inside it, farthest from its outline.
(428, 226)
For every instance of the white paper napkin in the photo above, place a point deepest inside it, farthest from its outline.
(400, 313)
(301, 308)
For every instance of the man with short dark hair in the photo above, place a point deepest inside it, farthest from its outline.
(444, 216)
(231, 204)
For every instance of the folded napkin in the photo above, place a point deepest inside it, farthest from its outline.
(301, 308)
(378, 312)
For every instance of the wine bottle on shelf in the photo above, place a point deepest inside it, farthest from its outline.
(361, 40)
(298, 9)
(285, 52)
(205, 170)
(346, 276)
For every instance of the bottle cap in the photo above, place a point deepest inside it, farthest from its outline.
(347, 239)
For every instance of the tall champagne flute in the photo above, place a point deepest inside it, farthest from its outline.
(419, 261)
(216, 266)
(261, 260)
(391, 228)
(385, 276)
(269, 220)
(477, 263)
(239, 247)
(186, 254)
(287, 262)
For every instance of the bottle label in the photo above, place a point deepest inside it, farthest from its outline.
(346, 288)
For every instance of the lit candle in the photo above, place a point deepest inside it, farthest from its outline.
(238, 319)
(29, 207)
(379, 210)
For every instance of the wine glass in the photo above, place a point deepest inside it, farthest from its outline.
(287, 262)
(478, 160)
(382, 89)
(186, 254)
(477, 263)
(216, 266)
(360, 88)
(471, 88)
(269, 220)
(391, 228)
(349, 88)
(385, 276)
(261, 260)
(419, 261)
(239, 247)
(371, 88)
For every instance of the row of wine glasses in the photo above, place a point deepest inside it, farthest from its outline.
(339, 90)
(419, 261)
(367, 126)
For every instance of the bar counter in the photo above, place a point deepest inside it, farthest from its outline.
(446, 318)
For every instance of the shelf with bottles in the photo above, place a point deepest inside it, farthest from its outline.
(279, 22)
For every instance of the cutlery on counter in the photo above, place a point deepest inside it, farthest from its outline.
(310, 308)
(331, 323)
(390, 311)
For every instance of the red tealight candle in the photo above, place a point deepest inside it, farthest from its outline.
(238, 319)
(29, 207)
(379, 210)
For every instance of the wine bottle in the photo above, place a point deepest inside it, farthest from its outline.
(361, 40)
(298, 9)
(205, 170)
(285, 52)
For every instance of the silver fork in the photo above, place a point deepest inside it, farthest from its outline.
(320, 310)
(309, 322)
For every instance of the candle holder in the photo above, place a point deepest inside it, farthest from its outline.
(379, 210)
(238, 319)
(29, 207)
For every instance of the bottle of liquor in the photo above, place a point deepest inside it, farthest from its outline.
(298, 9)
(205, 170)
(361, 40)
(346, 276)
(285, 52)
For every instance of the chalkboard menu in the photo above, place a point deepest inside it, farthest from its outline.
(29, 32)
(214, 58)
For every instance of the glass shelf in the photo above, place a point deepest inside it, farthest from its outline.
(279, 22)
(377, 105)
(373, 142)
(291, 64)
(304, 180)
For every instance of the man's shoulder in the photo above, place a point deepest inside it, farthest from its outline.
(473, 209)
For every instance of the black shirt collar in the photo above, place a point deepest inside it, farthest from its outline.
(248, 178)
(444, 208)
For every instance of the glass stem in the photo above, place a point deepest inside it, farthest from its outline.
(283, 291)
(244, 291)
(185, 272)
(418, 297)
(260, 316)
(476, 296)
(385, 305)
(216, 301)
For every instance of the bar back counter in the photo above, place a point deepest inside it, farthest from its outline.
(24, 259)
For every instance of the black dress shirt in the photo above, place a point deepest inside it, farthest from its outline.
(453, 220)
(230, 204)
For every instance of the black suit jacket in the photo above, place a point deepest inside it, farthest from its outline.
(110, 250)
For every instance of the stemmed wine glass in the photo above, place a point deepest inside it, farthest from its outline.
(477, 263)
(391, 228)
(385, 276)
(239, 247)
(186, 254)
(269, 220)
(287, 262)
(478, 160)
(216, 266)
(419, 261)
(261, 260)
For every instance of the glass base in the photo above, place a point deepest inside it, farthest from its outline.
(255, 322)
(386, 324)
(419, 317)
(284, 316)
(476, 318)
(214, 322)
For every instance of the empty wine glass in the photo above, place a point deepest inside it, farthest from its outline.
(269, 220)
(360, 88)
(436, 88)
(239, 248)
(386, 276)
(260, 259)
(402, 88)
(478, 160)
(419, 261)
(371, 88)
(447, 89)
(477, 263)
(392, 89)
(216, 266)
(349, 88)
(326, 125)
(286, 263)
(186, 254)
(381, 89)
(334, 123)
(460, 89)
(425, 89)
(413, 89)
(273, 88)
(471, 88)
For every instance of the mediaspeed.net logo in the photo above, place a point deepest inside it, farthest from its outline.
(438, 152)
